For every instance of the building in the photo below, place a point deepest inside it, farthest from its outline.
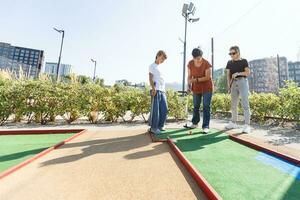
(294, 71)
(123, 82)
(265, 76)
(298, 55)
(64, 69)
(218, 73)
(20, 59)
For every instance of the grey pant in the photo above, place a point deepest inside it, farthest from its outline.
(240, 87)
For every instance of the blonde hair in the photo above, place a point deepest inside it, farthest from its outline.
(161, 53)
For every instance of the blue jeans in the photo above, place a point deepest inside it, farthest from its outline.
(159, 110)
(206, 108)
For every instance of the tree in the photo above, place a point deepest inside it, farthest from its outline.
(82, 79)
(99, 81)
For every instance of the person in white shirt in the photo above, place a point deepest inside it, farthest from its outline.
(159, 107)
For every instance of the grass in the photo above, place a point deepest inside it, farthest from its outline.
(232, 169)
(14, 149)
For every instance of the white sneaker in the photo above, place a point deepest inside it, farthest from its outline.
(205, 130)
(194, 126)
(231, 125)
(246, 129)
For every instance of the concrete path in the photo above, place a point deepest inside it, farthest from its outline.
(104, 165)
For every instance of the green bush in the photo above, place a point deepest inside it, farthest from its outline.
(289, 101)
(176, 105)
(263, 105)
(138, 102)
(41, 100)
(220, 103)
(115, 105)
(92, 101)
(6, 107)
(71, 103)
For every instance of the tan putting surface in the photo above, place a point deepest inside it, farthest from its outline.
(104, 165)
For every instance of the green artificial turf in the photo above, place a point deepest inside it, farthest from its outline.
(16, 148)
(231, 168)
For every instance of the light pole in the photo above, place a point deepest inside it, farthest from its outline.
(61, 46)
(187, 10)
(95, 62)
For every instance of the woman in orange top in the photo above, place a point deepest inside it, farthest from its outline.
(200, 83)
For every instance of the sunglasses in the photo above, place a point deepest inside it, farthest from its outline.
(231, 54)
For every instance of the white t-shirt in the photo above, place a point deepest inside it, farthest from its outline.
(158, 79)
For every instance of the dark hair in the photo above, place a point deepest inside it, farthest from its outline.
(197, 52)
(161, 53)
(235, 48)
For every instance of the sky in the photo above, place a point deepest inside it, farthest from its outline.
(124, 35)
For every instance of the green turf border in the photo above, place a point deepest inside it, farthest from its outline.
(13, 169)
(201, 181)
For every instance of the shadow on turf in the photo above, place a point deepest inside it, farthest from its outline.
(22, 154)
(196, 143)
(293, 191)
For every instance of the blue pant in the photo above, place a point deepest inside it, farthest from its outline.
(206, 108)
(159, 110)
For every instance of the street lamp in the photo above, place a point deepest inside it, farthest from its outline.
(95, 62)
(187, 10)
(61, 46)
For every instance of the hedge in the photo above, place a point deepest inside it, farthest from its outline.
(41, 100)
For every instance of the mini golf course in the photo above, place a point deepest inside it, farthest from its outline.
(19, 148)
(236, 171)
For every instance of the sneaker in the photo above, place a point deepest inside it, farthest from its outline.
(162, 129)
(246, 129)
(205, 130)
(155, 132)
(194, 126)
(231, 125)
(191, 126)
